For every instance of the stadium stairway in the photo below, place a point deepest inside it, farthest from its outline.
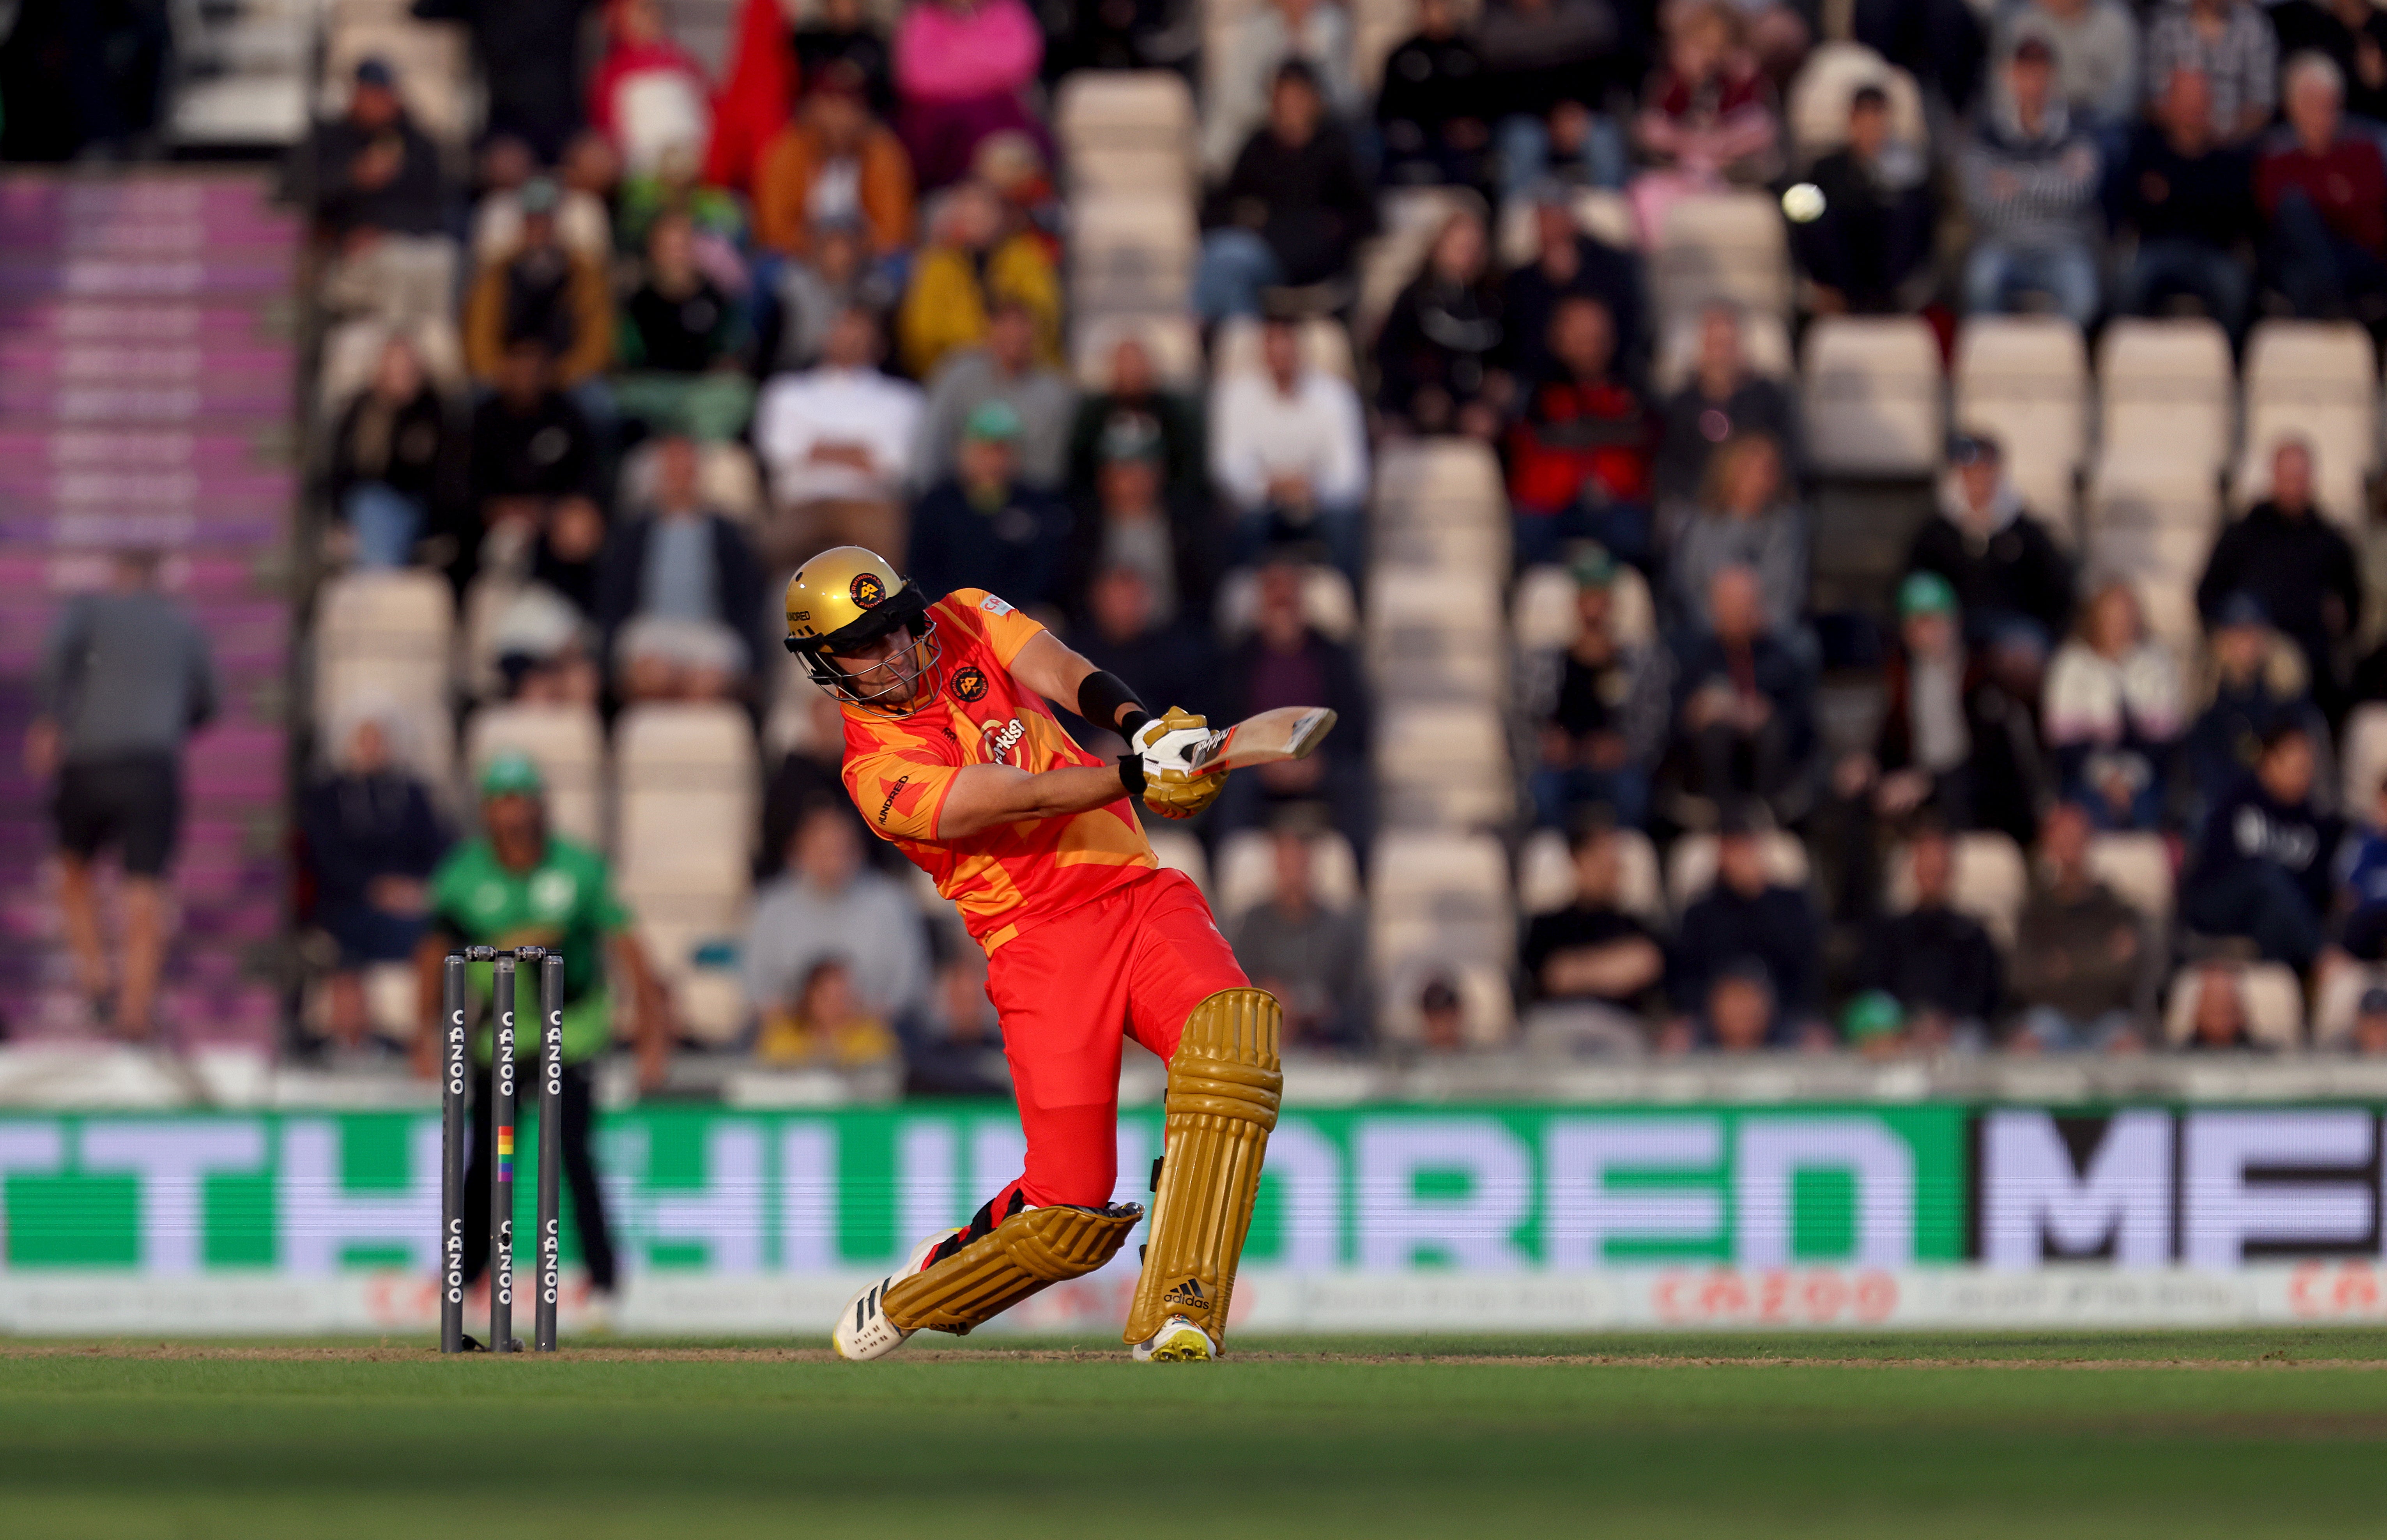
(147, 377)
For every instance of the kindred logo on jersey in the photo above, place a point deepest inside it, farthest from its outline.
(998, 742)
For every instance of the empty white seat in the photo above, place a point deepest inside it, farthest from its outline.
(2137, 867)
(1326, 602)
(1691, 865)
(383, 640)
(1324, 345)
(1178, 852)
(1437, 631)
(1475, 549)
(2273, 998)
(2165, 391)
(688, 792)
(1130, 251)
(1545, 874)
(1817, 107)
(2317, 381)
(2023, 380)
(1439, 478)
(1149, 107)
(1873, 397)
(1442, 764)
(1726, 247)
(1246, 870)
(1440, 898)
(566, 743)
(1989, 882)
(352, 351)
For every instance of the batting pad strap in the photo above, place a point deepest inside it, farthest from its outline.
(1025, 1253)
(1225, 1081)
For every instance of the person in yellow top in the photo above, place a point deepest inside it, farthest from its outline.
(952, 753)
(967, 265)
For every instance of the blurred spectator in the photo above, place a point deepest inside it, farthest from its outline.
(1286, 661)
(963, 68)
(543, 648)
(1605, 724)
(2257, 689)
(837, 36)
(1551, 64)
(1442, 1017)
(1430, 112)
(1870, 238)
(1293, 210)
(1706, 119)
(1129, 519)
(987, 526)
(2325, 192)
(1314, 34)
(126, 677)
(834, 164)
(1943, 44)
(1744, 703)
(1958, 738)
(1289, 452)
(1124, 34)
(2030, 178)
(2082, 967)
(1747, 927)
(1744, 517)
(2231, 44)
(829, 906)
(395, 459)
(2353, 35)
(1722, 397)
(1596, 974)
(1739, 1014)
(810, 294)
(1312, 957)
(1568, 262)
(2219, 1023)
(1579, 458)
(2114, 712)
(1013, 369)
(1436, 355)
(529, 53)
(807, 775)
(680, 560)
(648, 95)
(2263, 866)
(2297, 562)
(2362, 886)
(959, 1051)
(542, 292)
(1938, 963)
(372, 839)
(532, 450)
(824, 1024)
(683, 342)
(2190, 201)
(2369, 1035)
(1137, 401)
(1878, 1027)
(374, 185)
(2007, 574)
(582, 221)
(661, 658)
(1126, 633)
(836, 440)
(970, 268)
(2096, 48)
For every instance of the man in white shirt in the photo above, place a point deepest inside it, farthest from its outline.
(836, 440)
(1289, 453)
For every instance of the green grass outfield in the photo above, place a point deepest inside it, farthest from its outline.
(2240, 1434)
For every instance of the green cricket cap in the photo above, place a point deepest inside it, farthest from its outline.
(512, 774)
(1926, 593)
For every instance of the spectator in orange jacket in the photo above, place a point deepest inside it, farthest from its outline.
(544, 292)
(834, 164)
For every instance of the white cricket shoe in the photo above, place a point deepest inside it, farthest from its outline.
(1179, 1341)
(864, 1333)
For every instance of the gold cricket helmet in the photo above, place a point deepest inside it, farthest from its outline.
(844, 600)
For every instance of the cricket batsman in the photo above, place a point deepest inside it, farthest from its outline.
(952, 753)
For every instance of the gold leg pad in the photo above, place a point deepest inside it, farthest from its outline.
(1022, 1254)
(1224, 1083)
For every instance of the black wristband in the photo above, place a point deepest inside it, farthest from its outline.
(1099, 697)
(1131, 773)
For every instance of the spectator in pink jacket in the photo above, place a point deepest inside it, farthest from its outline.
(961, 67)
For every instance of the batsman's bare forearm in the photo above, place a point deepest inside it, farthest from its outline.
(986, 795)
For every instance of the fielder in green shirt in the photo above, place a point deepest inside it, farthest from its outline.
(518, 885)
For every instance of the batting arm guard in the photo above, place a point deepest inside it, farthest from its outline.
(1027, 1252)
(1224, 1083)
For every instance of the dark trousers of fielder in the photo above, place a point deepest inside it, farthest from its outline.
(579, 1179)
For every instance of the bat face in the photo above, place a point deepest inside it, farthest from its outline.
(1288, 732)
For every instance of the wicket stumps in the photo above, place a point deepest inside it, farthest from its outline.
(455, 1071)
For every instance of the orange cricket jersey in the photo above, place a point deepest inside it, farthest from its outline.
(900, 770)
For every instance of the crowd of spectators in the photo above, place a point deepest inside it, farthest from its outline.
(846, 259)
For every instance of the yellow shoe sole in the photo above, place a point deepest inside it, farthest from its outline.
(1187, 1344)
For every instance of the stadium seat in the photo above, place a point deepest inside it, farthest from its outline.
(1726, 247)
(688, 804)
(352, 351)
(1545, 874)
(1989, 882)
(727, 479)
(1546, 618)
(2023, 380)
(2340, 997)
(1178, 852)
(1168, 339)
(2137, 867)
(1475, 549)
(1131, 252)
(1438, 479)
(1599, 213)
(1440, 898)
(385, 636)
(2366, 757)
(1434, 631)
(1126, 130)
(2166, 392)
(1764, 342)
(566, 743)
(1246, 868)
(1487, 1005)
(1817, 107)
(2318, 382)
(1443, 765)
(1872, 392)
(1324, 345)
(2275, 1005)
(1326, 602)
(1691, 865)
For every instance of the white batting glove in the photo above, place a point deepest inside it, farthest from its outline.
(1167, 741)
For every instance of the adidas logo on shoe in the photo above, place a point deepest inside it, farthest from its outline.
(1187, 1295)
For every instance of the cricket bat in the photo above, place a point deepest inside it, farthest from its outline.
(1288, 732)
